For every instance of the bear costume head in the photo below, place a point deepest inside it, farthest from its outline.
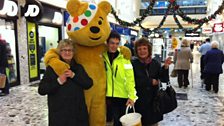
(88, 24)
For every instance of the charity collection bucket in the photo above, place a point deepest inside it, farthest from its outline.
(131, 119)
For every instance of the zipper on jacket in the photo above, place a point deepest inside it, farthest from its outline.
(112, 82)
(111, 76)
(116, 71)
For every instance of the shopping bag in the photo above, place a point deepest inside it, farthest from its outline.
(173, 73)
(2, 80)
(131, 119)
(165, 100)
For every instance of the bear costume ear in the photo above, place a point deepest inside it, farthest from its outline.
(76, 8)
(105, 6)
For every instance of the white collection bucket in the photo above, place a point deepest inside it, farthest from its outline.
(131, 119)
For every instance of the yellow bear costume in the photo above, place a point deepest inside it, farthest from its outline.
(89, 28)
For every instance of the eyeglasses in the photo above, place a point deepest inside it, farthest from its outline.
(67, 50)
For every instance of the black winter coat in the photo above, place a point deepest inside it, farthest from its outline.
(146, 91)
(3, 55)
(66, 103)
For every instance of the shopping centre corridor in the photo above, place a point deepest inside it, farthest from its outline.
(196, 107)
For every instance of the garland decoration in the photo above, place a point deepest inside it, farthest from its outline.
(146, 13)
(160, 24)
(181, 26)
(175, 10)
(198, 21)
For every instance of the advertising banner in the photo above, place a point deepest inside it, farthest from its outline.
(32, 52)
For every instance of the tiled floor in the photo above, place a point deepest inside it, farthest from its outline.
(24, 107)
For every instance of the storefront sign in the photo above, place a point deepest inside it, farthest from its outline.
(10, 8)
(33, 10)
(51, 15)
(218, 27)
(32, 46)
(206, 30)
(58, 18)
(134, 33)
(192, 34)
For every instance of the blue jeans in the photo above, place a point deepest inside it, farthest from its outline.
(7, 85)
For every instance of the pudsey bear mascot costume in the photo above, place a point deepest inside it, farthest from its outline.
(89, 29)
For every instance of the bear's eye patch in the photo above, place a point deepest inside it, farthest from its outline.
(100, 22)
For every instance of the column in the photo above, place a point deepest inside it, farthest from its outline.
(22, 43)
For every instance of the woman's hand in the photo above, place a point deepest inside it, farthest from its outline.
(155, 82)
(62, 79)
(69, 73)
(167, 62)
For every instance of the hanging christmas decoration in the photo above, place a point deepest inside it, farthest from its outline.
(161, 22)
(146, 13)
(197, 21)
(175, 10)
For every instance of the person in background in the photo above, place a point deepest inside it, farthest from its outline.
(182, 60)
(3, 66)
(148, 74)
(213, 61)
(120, 79)
(203, 50)
(66, 101)
(127, 44)
(192, 45)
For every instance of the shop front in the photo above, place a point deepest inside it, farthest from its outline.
(8, 35)
(127, 34)
(43, 35)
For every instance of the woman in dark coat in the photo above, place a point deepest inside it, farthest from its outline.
(148, 73)
(3, 66)
(213, 60)
(66, 102)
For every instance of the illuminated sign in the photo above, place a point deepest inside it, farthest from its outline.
(32, 53)
(135, 33)
(192, 34)
(10, 8)
(206, 30)
(218, 27)
(33, 10)
(58, 18)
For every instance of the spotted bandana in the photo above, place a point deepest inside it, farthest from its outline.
(78, 22)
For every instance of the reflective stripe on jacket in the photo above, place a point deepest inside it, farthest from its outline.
(120, 78)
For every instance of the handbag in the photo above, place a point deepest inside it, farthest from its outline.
(2, 80)
(165, 100)
(173, 73)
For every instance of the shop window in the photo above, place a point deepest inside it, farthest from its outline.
(48, 38)
(7, 33)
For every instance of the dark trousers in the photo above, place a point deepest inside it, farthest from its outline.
(212, 79)
(118, 107)
(202, 66)
(6, 89)
(182, 78)
(109, 110)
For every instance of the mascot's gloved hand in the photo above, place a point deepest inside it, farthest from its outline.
(126, 52)
(51, 58)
